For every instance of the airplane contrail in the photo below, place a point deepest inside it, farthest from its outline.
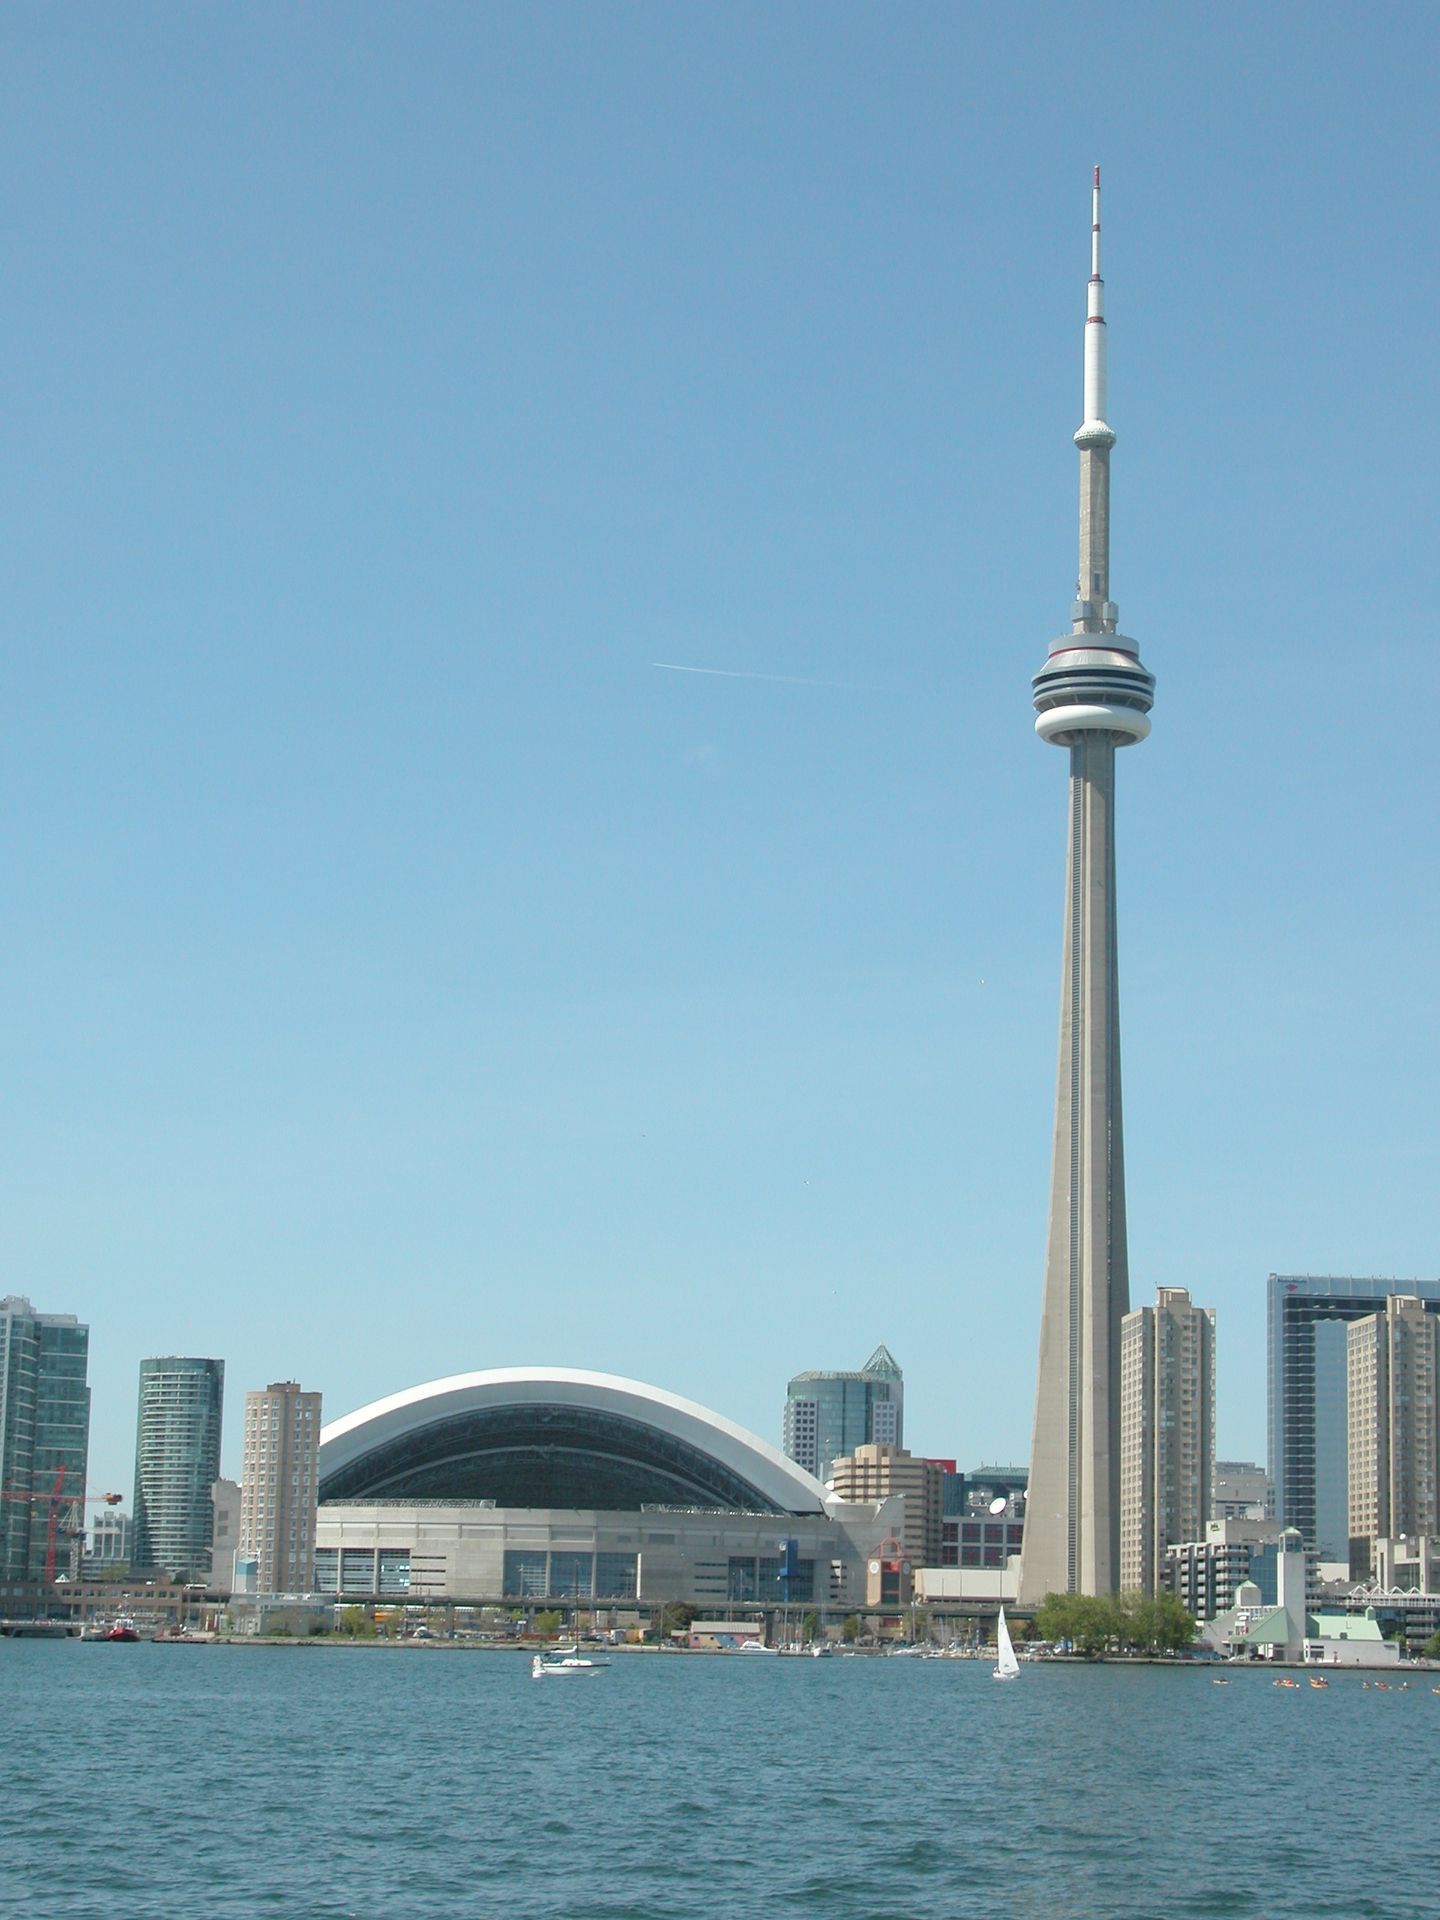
(731, 673)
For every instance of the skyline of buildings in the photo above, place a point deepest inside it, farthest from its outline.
(1167, 1432)
(1169, 1370)
(1091, 697)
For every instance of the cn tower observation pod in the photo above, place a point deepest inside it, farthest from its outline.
(533, 1437)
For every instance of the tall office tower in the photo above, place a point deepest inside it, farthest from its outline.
(44, 1427)
(177, 1461)
(1167, 1432)
(279, 1486)
(827, 1414)
(1306, 1318)
(1092, 696)
(1393, 1380)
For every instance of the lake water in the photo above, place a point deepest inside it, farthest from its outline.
(326, 1782)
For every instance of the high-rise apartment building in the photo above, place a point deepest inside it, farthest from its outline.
(828, 1414)
(177, 1462)
(279, 1486)
(1393, 1380)
(1308, 1417)
(44, 1428)
(1167, 1432)
(1091, 697)
(877, 1472)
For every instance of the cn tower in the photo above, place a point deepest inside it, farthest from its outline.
(1091, 696)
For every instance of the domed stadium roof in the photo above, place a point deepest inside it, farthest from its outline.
(556, 1437)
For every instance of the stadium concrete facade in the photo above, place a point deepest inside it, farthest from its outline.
(525, 1486)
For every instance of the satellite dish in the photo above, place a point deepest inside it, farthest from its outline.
(997, 1506)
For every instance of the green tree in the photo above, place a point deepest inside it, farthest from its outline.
(1431, 1648)
(357, 1623)
(850, 1631)
(549, 1622)
(1115, 1622)
(674, 1617)
(809, 1627)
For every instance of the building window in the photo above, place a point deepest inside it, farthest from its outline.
(327, 1569)
(524, 1576)
(357, 1570)
(615, 1576)
(394, 1570)
(571, 1576)
(742, 1578)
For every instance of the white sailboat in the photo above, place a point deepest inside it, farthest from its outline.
(1007, 1667)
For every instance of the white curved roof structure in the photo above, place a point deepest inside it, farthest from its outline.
(556, 1437)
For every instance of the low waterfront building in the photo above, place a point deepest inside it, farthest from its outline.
(1408, 1563)
(1205, 1575)
(724, 1636)
(983, 1519)
(539, 1487)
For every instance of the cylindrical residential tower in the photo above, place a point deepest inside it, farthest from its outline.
(1091, 696)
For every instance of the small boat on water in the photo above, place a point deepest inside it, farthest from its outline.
(123, 1628)
(1286, 1681)
(756, 1646)
(564, 1663)
(1007, 1667)
(1316, 1680)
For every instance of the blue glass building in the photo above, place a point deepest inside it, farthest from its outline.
(177, 1462)
(44, 1427)
(830, 1414)
(1306, 1317)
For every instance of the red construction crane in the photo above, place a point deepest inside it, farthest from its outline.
(52, 1526)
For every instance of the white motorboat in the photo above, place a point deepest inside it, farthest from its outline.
(1007, 1667)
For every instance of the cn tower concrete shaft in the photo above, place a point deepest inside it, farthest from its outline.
(1092, 696)
(1072, 1516)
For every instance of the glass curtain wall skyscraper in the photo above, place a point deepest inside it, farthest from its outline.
(829, 1414)
(1307, 1317)
(177, 1461)
(44, 1427)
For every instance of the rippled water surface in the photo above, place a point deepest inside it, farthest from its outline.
(330, 1782)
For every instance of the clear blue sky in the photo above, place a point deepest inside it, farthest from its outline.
(404, 975)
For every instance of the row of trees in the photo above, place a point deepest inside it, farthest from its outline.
(1116, 1622)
